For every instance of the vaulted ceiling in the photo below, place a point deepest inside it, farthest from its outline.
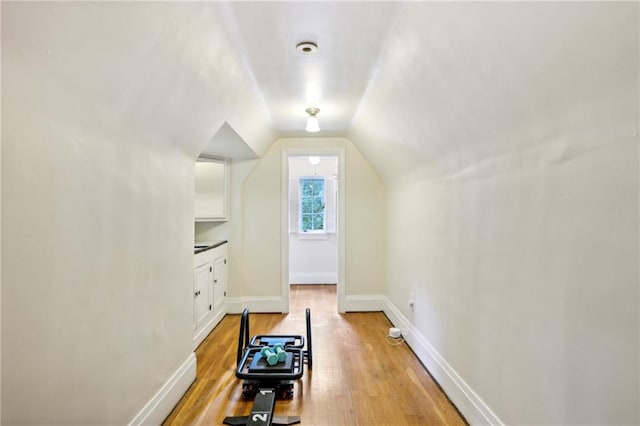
(451, 86)
(412, 84)
(349, 36)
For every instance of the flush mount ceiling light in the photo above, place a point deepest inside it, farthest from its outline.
(307, 47)
(312, 121)
(315, 160)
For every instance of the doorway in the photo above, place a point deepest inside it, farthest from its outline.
(313, 221)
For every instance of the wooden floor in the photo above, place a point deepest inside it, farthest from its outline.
(358, 378)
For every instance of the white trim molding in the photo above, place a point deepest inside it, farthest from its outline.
(234, 305)
(362, 303)
(261, 304)
(204, 331)
(160, 405)
(472, 407)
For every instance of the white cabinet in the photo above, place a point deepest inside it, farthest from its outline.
(209, 290)
(211, 196)
(219, 280)
(202, 294)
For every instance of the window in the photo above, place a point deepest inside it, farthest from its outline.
(312, 201)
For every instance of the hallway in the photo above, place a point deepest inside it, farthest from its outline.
(488, 205)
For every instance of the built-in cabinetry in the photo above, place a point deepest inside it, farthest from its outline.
(211, 196)
(209, 288)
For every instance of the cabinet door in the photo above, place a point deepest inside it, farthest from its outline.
(201, 293)
(211, 189)
(219, 280)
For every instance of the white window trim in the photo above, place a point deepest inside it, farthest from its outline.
(315, 235)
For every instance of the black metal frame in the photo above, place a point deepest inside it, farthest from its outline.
(244, 342)
(266, 383)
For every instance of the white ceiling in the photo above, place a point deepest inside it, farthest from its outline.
(417, 83)
(411, 84)
(349, 35)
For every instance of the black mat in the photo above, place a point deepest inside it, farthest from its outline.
(260, 365)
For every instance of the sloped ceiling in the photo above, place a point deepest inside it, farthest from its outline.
(349, 36)
(467, 89)
(444, 86)
(167, 71)
(410, 83)
(227, 143)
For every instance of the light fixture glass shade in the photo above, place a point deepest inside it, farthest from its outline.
(312, 121)
(315, 160)
(312, 125)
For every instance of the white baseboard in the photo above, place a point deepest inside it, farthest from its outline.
(472, 407)
(364, 303)
(264, 304)
(206, 329)
(313, 278)
(234, 305)
(158, 408)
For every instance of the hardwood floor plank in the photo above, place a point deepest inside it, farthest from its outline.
(357, 377)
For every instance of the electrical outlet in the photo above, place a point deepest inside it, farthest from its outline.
(412, 301)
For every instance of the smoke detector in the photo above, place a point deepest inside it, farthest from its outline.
(307, 47)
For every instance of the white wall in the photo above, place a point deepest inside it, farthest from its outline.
(262, 234)
(313, 259)
(105, 107)
(510, 159)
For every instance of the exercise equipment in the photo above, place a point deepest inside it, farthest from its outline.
(265, 380)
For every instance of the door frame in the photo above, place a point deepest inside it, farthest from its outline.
(306, 152)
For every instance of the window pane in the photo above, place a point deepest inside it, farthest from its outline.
(306, 222)
(312, 186)
(307, 187)
(317, 205)
(307, 204)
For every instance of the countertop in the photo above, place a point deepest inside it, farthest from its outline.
(207, 245)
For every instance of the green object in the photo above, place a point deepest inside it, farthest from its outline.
(269, 355)
(280, 352)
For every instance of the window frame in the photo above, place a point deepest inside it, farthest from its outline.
(301, 179)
